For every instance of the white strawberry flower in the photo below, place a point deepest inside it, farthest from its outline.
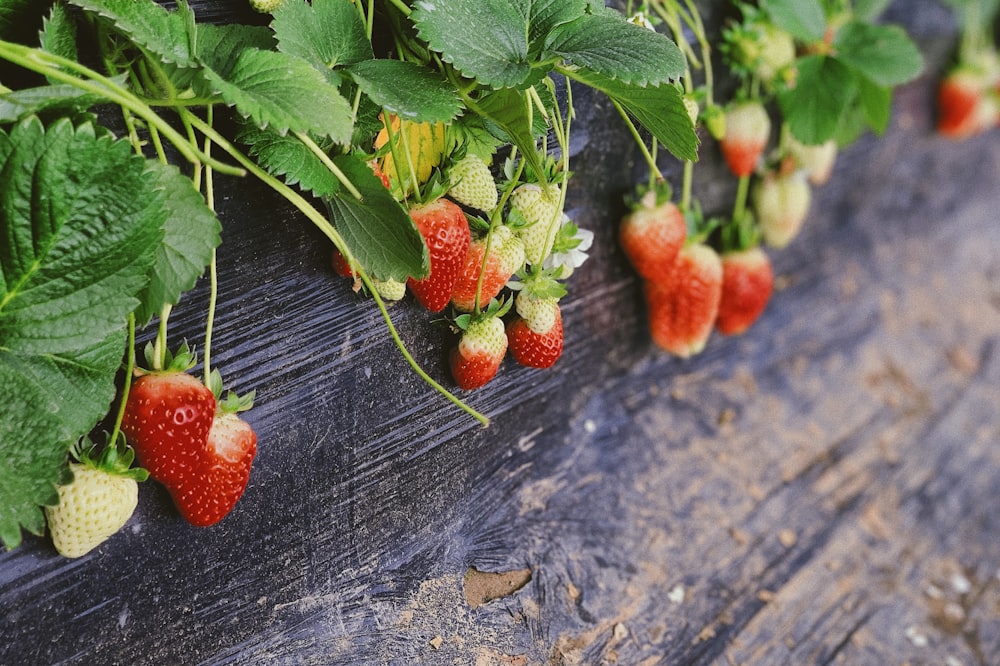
(569, 254)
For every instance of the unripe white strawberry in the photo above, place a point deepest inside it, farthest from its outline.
(817, 161)
(781, 204)
(98, 501)
(540, 209)
(777, 51)
(473, 184)
(539, 313)
(390, 290)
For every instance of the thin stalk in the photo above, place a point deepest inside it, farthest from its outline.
(213, 276)
(638, 139)
(740, 207)
(52, 66)
(127, 384)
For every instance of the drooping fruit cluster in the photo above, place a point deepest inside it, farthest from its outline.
(479, 244)
(689, 287)
(190, 439)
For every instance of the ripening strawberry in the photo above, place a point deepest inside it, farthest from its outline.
(960, 104)
(652, 235)
(446, 233)
(781, 204)
(98, 501)
(210, 491)
(682, 310)
(540, 209)
(504, 258)
(748, 128)
(168, 415)
(479, 353)
(535, 336)
(747, 282)
(473, 184)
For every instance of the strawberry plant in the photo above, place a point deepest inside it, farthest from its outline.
(107, 234)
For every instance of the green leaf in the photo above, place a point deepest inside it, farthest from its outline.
(496, 42)
(62, 254)
(660, 109)
(191, 232)
(869, 10)
(426, 98)
(604, 42)
(327, 34)
(277, 90)
(151, 27)
(822, 94)
(508, 110)
(379, 232)
(53, 400)
(876, 104)
(883, 53)
(60, 98)
(59, 34)
(79, 223)
(804, 19)
(286, 156)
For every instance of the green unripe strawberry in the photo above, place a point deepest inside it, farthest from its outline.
(539, 313)
(540, 209)
(98, 501)
(265, 6)
(473, 184)
(390, 290)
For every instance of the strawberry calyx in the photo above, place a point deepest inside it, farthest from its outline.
(650, 195)
(182, 360)
(698, 227)
(496, 308)
(231, 403)
(114, 458)
(737, 235)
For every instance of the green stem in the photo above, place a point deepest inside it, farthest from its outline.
(160, 346)
(127, 384)
(740, 207)
(213, 277)
(327, 229)
(52, 66)
(638, 139)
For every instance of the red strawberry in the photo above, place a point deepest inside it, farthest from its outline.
(683, 308)
(781, 202)
(747, 282)
(167, 418)
(748, 128)
(535, 337)
(446, 233)
(960, 98)
(652, 235)
(476, 359)
(212, 490)
(505, 257)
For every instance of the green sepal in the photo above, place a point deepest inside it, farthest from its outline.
(115, 458)
(182, 360)
(231, 403)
